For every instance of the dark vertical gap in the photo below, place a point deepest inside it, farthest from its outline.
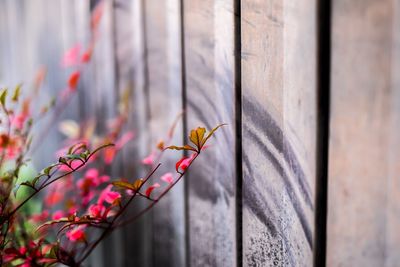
(238, 131)
(114, 22)
(323, 98)
(146, 62)
(184, 130)
(148, 233)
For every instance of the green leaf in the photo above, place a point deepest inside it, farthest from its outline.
(185, 147)
(17, 92)
(211, 133)
(3, 96)
(47, 170)
(15, 189)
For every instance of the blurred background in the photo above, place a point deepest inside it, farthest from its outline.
(307, 171)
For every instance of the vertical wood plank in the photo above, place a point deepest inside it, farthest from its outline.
(165, 103)
(393, 201)
(132, 75)
(279, 131)
(363, 178)
(209, 56)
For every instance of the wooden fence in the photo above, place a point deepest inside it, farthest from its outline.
(306, 173)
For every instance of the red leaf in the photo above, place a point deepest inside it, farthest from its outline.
(87, 55)
(151, 188)
(178, 163)
(73, 80)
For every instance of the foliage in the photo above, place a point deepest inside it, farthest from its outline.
(81, 203)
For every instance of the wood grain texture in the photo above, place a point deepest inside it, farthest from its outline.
(25, 49)
(131, 68)
(363, 204)
(209, 55)
(165, 104)
(279, 128)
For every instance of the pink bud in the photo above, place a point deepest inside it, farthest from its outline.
(149, 160)
(168, 178)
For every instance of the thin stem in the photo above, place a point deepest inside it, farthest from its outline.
(57, 178)
(156, 200)
(110, 228)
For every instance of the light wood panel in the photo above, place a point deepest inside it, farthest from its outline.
(165, 104)
(209, 56)
(364, 142)
(279, 131)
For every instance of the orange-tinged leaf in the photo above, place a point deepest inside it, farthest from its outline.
(17, 93)
(160, 145)
(137, 184)
(196, 136)
(211, 133)
(185, 147)
(124, 185)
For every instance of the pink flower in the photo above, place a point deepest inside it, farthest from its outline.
(149, 160)
(74, 164)
(96, 210)
(22, 250)
(168, 178)
(151, 188)
(71, 56)
(123, 140)
(76, 234)
(58, 215)
(54, 196)
(18, 121)
(40, 217)
(108, 196)
(109, 154)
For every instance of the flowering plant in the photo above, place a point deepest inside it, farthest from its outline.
(81, 203)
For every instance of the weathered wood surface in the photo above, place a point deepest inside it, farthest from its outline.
(165, 104)
(279, 127)
(209, 56)
(139, 49)
(363, 204)
(131, 69)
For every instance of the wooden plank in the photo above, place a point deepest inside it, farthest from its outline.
(363, 203)
(131, 73)
(279, 131)
(393, 202)
(165, 103)
(209, 56)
